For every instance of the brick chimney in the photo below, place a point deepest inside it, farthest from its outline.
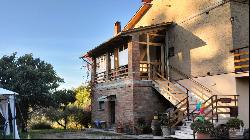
(117, 28)
(146, 1)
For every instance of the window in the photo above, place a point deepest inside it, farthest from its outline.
(123, 55)
(112, 60)
(171, 52)
(101, 105)
(101, 64)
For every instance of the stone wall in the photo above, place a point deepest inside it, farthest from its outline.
(240, 23)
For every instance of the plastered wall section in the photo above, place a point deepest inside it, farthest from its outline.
(202, 36)
(243, 91)
(224, 84)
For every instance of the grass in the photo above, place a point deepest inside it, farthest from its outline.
(34, 134)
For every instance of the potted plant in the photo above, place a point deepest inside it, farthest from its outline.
(142, 127)
(139, 126)
(220, 132)
(234, 125)
(167, 120)
(202, 128)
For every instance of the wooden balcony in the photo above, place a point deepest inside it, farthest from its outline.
(114, 74)
(147, 70)
(241, 59)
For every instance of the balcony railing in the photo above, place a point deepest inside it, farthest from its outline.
(114, 74)
(120, 73)
(147, 70)
(100, 77)
(241, 59)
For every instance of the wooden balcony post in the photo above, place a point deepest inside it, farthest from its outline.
(108, 67)
(163, 60)
(148, 58)
(93, 71)
(134, 58)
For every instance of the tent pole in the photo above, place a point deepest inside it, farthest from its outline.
(14, 126)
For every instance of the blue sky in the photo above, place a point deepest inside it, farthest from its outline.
(60, 31)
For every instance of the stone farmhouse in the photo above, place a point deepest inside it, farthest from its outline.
(173, 53)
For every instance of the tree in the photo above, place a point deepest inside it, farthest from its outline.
(83, 117)
(83, 99)
(33, 79)
(61, 112)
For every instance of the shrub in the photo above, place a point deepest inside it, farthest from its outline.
(142, 127)
(235, 123)
(83, 117)
(220, 132)
(204, 126)
(41, 125)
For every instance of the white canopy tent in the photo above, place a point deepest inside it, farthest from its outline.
(8, 97)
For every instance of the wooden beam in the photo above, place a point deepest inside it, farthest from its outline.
(162, 60)
(241, 67)
(149, 43)
(167, 56)
(148, 55)
(143, 54)
(241, 53)
(157, 35)
(241, 60)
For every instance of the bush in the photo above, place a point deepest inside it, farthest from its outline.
(202, 126)
(220, 132)
(41, 125)
(142, 127)
(83, 117)
(235, 123)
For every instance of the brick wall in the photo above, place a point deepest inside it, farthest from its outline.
(124, 100)
(134, 100)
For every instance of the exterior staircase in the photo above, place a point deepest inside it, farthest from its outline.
(185, 131)
(217, 108)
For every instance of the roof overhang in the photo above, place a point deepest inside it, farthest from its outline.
(4, 93)
(124, 37)
(138, 15)
(114, 41)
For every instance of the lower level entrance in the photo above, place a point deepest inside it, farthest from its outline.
(112, 112)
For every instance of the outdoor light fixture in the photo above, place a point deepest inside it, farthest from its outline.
(232, 19)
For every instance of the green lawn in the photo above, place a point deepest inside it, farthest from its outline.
(34, 134)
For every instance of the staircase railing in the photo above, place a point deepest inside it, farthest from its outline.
(203, 91)
(190, 78)
(182, 107)
(215, 104)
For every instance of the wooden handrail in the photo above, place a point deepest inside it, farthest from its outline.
(241, 54)
(190, 78)
(232, 51)
(166, 80)
(215, 99)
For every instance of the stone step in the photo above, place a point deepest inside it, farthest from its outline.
(182, 135)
